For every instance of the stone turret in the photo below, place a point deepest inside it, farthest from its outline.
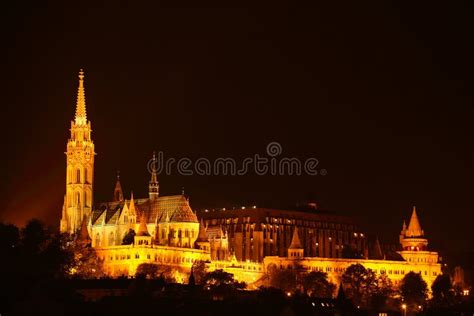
(412, 238)
(143, 237)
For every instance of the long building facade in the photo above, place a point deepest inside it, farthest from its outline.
(164, 230)
(255, 233)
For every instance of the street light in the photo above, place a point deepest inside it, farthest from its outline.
(404, 307)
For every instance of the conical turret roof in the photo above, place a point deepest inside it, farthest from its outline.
(295, 240)
(414, 227)
(142, 229)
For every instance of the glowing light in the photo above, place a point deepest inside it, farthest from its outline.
(255, 206)
(404, 306)
(243, 207)
(288, 294)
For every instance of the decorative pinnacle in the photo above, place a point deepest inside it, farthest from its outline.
(81, 116)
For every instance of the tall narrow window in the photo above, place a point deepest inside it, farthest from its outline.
(78, 176)
(86, 202)
(97, 240)
(86, 177)
(111, 239)
(78, 198)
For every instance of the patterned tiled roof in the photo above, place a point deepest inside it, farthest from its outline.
(174, 207)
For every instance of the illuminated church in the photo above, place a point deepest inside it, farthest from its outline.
(165, 230)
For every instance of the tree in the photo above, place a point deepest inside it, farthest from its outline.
(148, 271)
(359, 284)
(199, 271)
(316, 284)
(82, 262)
(160, 271)
(283, 279)
(382, 295)
(413, 289)
(221, 281)
(443, 292)
(129, 237)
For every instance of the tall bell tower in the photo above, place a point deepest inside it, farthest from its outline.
(79, 168)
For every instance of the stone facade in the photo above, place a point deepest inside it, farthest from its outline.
(255, 233)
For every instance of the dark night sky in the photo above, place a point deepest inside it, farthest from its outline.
(381, 94)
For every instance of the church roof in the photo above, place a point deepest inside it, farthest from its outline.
(295, 241)
(175, 207)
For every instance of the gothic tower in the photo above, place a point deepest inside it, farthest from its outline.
(79, 168)
(153, 186)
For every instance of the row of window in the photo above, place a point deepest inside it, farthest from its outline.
(78, 178)
(75, 199)
(156, 258)
(341, 270)
(283, 221)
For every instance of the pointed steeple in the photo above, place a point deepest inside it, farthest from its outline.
(142, 229)
(295, 240)
(131, 208)
(414, 227)
(153, 187)
(81, 116)
(118, 194)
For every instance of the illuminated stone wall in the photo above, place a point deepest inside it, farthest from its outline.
(335, 267)
(124, 260)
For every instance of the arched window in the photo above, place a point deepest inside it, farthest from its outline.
(111, 239)
(86, 202)
(97, 240)
(78, 176)
(78, 198)
(86, 177)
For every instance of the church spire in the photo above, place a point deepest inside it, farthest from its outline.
(81, 116)
(118, 193)
(153, 187)
(132, 206)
